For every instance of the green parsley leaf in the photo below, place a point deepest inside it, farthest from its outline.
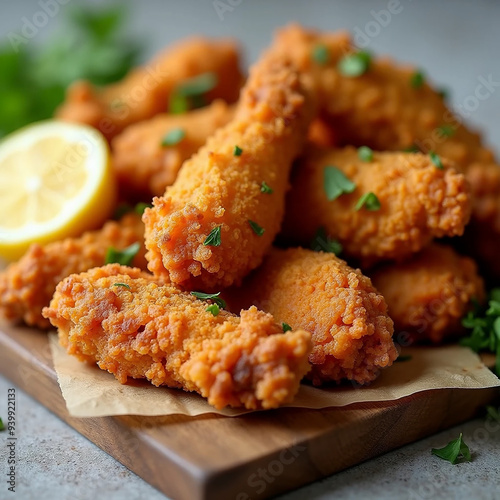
(493, 414)
(411, 149)
(323, 243)
(402, 359)
(141, 206)
(214, 297)
(444, 93)
(336, 183)
(121, 210)
(237, 151)
(264, 188)
(2, 426)
(321, 54)
(197, 85)
(454, 451)
(354, 65)
(365, 153)
(436, 159)
(178, 104)
(214, 309)
(258, 230)
(286, 327)
(368, 201)
(213, 239)
(173, 137)
(417, 79)
(122, 284)
(123, 257)
(447, 130)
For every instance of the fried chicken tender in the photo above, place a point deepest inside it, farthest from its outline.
(220, 188)
(145, 166)
(429, 294)
(320, 293)
(150, 330)
(418, 202)
(383, 110)
(145, 91)
(27, 286)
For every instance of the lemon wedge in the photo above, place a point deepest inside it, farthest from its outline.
(55, 181)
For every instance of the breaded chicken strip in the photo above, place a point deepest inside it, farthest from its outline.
(430, 294)
(135, 327)
(145, 91)
(27, 286)
(418, 202)
(320, 293)
(222, 189)
(388, 108)
(145, 165)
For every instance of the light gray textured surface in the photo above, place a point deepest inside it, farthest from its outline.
(456, 42)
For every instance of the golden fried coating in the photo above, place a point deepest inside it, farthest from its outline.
(27, 286)
(221, 186)
(148, 330)
(418, 202)
(145, 166)
(430, 294)
(383, 109)
(145, 91)
(320, 293)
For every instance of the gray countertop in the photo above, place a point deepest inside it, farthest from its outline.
(456, 42)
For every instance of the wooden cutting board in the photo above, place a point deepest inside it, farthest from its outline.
(252, 456)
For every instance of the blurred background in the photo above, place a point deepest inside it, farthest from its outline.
(45, 44)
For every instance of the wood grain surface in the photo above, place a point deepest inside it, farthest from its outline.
(252, 456)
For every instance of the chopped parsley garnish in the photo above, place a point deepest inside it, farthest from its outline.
(323, 243)
(365, 153)
(122, 284)
(121, 210)
(412, 149)
(320, 54)
(214, 309)
(435, 158)
(214, 297)
(368, 201)
(354, 65)
(213, 238)
(258, 230)
(447, 130)
(286, 327)
(237, 151)
(264, 188)
(454, 451)
(173, 137)
(485, 326)
(493, 414)
(336, 183)
(2, 426)
(140, 207)
(444, 93)
(123, 257)
(417, 79)
(191, 93)
(402, 359)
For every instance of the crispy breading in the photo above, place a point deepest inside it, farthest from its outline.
(217, 188)
(320, 293)
(146, 90)
(27, 286)
(145, 166)
(384, 110)
(150, 330)
(430, 294)
(418, 202)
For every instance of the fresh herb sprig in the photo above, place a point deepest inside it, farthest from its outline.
(123, 257)
(454, 451)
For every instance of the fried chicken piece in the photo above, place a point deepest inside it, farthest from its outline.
(145, 91)
(418, 202)
(320, 293)
(430, 294)
(383, 109)
(145, 166)
(220, 188)
(27, 286)
(156, 331)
